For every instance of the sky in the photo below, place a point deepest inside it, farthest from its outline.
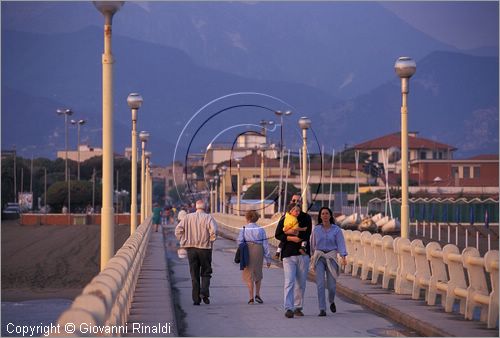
(463, 24)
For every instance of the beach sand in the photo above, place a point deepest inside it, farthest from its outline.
(50, 261)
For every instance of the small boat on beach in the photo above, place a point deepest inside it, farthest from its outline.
(351, 222)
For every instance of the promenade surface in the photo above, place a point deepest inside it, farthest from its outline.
(230, 315)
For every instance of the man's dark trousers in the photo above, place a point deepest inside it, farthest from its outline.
(200, 265)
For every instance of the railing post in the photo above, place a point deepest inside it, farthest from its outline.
(439, 232)
(449, 230)
(466, 232)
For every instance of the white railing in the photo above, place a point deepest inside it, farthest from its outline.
(432, 269)
(105, 302)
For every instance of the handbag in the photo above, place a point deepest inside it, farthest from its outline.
(242, 254)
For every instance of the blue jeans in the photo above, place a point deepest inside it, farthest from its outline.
(331, 282)
(295, 269)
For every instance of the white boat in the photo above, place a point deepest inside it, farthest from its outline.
(377, 217)
(351, 222)
(381, 222)
(393, 226)
(367, 224)
(339, 219)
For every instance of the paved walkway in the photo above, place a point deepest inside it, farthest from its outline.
(230, 315)
(152, 303)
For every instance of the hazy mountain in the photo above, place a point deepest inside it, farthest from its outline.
(43, 72)
(187, 54)
(453, 99)
(344, 48)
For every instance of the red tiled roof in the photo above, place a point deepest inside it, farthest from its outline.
(394, 140)
(253, 160)
(484, 157)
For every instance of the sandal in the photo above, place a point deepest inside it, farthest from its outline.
(250, 301)
(259, 300)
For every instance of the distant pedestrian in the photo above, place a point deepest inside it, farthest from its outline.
(295, 264)
(64, 209)
(157, 211)
(258, 249)
(197, 233)
(327, 242)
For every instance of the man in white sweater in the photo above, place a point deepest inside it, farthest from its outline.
(196, 233)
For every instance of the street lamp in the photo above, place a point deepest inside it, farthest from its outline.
(304, 124)
(78, 123)
(222, 173)
(147, 191)
(262, 205)
(238, 186)
(281, 114)
(66, 113)
(405, 67)
(108, 9)
(216, 193)
(134, 102)
(144, 137)
(211, 187)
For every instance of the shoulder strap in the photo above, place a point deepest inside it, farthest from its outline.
(244, 240)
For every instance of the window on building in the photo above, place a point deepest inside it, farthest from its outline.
(466, 172)
(440, 155)
(170, 183)
(477, 172)
(423, 155)
(454, 172)
(375, 156)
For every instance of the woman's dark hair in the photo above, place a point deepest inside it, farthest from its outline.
(332, 221)
(291, 206)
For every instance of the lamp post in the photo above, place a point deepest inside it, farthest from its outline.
(262, 204)
(304, 124)
(211, 188)
(66, 113)
(134, 102)
(281, 114)
(223, 188)
(238, 186)
(147, 157)
(144, 137)
(405, 67)
(216, 184)
(78, 123)
(108, 9)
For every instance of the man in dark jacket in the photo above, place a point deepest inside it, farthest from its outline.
(295, 265)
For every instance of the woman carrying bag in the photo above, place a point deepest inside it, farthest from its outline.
(258, 249)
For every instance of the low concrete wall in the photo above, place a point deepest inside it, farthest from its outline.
(75, 219)
(230, 226)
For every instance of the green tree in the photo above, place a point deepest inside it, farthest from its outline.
(80, 195)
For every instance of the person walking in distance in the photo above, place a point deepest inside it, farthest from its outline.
(197, 233)
(327, 243)
(156, 216)
(295, 264)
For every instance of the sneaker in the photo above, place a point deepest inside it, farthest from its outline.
(289, 314)
(322, 313)
(332, 307)
(258, 299)
(206, 300)
(298, 313)
(196, 303)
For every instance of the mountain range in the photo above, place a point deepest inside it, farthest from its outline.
(328, 61)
